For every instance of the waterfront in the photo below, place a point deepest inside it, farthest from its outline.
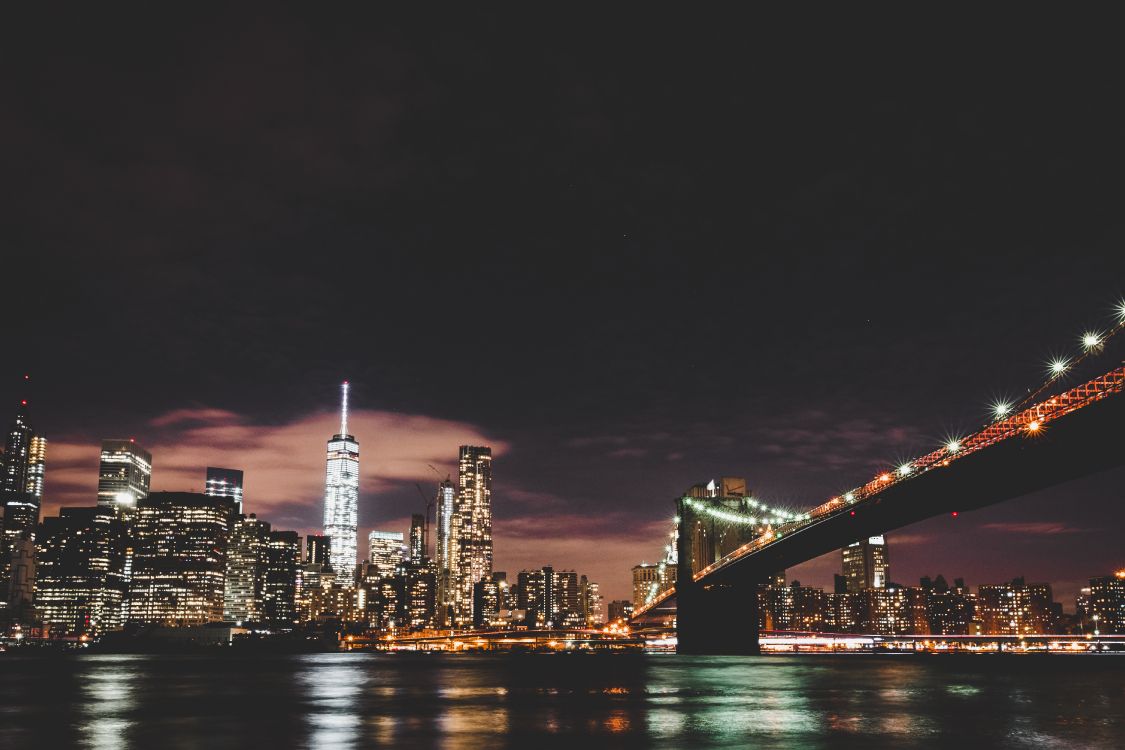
(626, 700)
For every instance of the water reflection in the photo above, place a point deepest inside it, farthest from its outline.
(374, 700)
(108, 702)
(333, 684)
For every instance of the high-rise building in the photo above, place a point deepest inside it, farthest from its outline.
(417, 539)
(865, 564)
(80, 576)
(179, 565)
(386, 548)
(17, 453)
(1016, 608)
(486, 603)
(225, 483)
(1105, 606)
(447, 551)
(279, 596)
(21, 482)
(123, 475)
(533, 596)
(244, 592)
(592, 613)
(567, 609)
(646, 583)
(474, 508)
(316, 549)
(341, 498)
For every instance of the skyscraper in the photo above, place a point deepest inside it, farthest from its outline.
(446, 550)
(17, 451)
(865, 564)
(474, 508)
(21, 480)
(225, 483)
(80, 578)
(123, 475)
(245, 584)
(417, 539)
(179, 567)
(341, 498)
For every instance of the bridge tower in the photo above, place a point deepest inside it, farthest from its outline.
(715, 617)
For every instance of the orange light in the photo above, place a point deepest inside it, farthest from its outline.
(1120, 574)
(885, 478)
(1033, 427)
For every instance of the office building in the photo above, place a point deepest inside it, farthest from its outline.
(225, 483)
(386, 552)
(244, 593)
(341, 498)
(474, 509)
(80, 573)
(21, 482)
(316, 549)
(279, 595)
(866, 564)
(180, 557)
(124, 473)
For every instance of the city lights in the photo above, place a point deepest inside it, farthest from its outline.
(1058, 366)
(1091, 340)
(953, 446)
(1001, 408)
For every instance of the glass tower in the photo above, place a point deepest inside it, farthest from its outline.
(474, 508)
(341, 497)
(123, 475)
(225, 483)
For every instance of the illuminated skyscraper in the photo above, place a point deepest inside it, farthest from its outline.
(225, 483)
(446, 550)
(17, 452)
(80, 583)
(474, 508)
(386, 548)
(865, 564)
(179, 567)
(341, 498)
(124, 475)
(21, 481)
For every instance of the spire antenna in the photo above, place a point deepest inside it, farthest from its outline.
(344, 410)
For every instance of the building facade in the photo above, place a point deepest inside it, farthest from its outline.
(386, 552)
(225, 483)
(180, 557)
(124, 475)
(341, 498)
(474, 511)
(80, 575)
(866, 564)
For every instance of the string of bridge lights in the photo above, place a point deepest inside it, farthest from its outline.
(1093, 343)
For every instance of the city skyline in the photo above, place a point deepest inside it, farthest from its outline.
(798, 278)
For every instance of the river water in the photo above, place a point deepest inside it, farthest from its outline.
(532, 702)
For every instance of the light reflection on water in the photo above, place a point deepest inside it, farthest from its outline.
(108, 701)
(333, 684)
(368, 700)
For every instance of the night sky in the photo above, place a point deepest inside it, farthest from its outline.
(630, 254)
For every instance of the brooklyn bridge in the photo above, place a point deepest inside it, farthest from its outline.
(728, 543)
